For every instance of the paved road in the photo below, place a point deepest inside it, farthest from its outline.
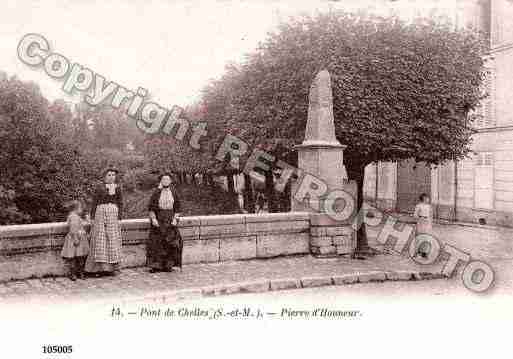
(438, 290)
(404, 319)
(139, 283)
(481, 242)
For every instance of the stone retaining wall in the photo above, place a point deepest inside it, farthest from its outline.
(34, 250)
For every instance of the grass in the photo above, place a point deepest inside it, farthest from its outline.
(196, 200)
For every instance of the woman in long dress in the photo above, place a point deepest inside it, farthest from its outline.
(105, 252)
(164, 247)
(424, 215)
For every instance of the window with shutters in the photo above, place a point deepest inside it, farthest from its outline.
(502, 27)
(484, 115)
(483, 181)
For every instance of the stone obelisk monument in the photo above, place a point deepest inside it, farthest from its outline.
(321, 154)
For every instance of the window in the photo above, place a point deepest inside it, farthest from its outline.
(483, 181)
(484, 159)
(484, 115)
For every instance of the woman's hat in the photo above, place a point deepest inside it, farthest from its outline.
(166, 174)
(110, 169)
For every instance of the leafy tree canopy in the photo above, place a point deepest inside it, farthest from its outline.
(400, 90)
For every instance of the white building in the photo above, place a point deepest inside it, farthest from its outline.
(476, 188)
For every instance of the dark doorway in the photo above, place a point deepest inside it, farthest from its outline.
(412, 180)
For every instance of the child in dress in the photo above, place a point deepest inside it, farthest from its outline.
(424, 215)
(76, 243)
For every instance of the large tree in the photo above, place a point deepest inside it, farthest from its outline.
(39, 170)
(401, 90)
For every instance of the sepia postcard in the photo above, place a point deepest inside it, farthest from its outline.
(249, 178)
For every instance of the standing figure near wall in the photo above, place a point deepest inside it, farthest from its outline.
(105, 252)
(164, 246)
(76, 243)
(424, 215)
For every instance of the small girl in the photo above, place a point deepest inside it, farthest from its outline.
(424, 214)
(76, 243)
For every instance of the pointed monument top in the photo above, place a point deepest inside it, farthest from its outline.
(320, 126)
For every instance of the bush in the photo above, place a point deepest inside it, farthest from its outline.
(9, 212)
(139, 179)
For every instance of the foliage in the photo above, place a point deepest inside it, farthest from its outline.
(137, 179)
(400, 89)
(39, 172)
(196, 201)
(165, 152)
(51, 153)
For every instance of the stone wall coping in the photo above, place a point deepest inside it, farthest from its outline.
(322, 219)
(277, 217)
(35, 229)
(221, 219)
(191, 221)
(60, 228)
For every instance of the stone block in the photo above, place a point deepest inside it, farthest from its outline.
(323, 241)
(27, 265)
(345, 279)
(342, 250)
(21, 245)
(371, 277)
(339, 231)
(222, 219)
(207, 231)
(255, 287)
(310, 282)
(198, 251)
(427, 275)
(135, 235)
(38, 229)
(35, 283)
(399, 275)
(322, 219)
(277, 227)
(4, 289)
(133, 255)
(285, 283)
(189, 232)
(323, 251)
(137, 224)
(237, 248)
(189, 221)
(183, 294)
(221, 289)
(273, 245)
(318, 231)
(342, 241)
(277, 217)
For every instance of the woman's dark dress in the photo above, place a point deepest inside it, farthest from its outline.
(164, 246)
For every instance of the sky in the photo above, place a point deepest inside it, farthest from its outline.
(171, 48)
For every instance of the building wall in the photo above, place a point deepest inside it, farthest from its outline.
(386, 195)
(481, 187)
(485, 182)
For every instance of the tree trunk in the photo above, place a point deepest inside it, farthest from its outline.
(270, 193)
(231, 183)
(249, 198)
(210, 180)
(362, 244)
(287, 197)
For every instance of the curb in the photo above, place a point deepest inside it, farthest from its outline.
(272, 285)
